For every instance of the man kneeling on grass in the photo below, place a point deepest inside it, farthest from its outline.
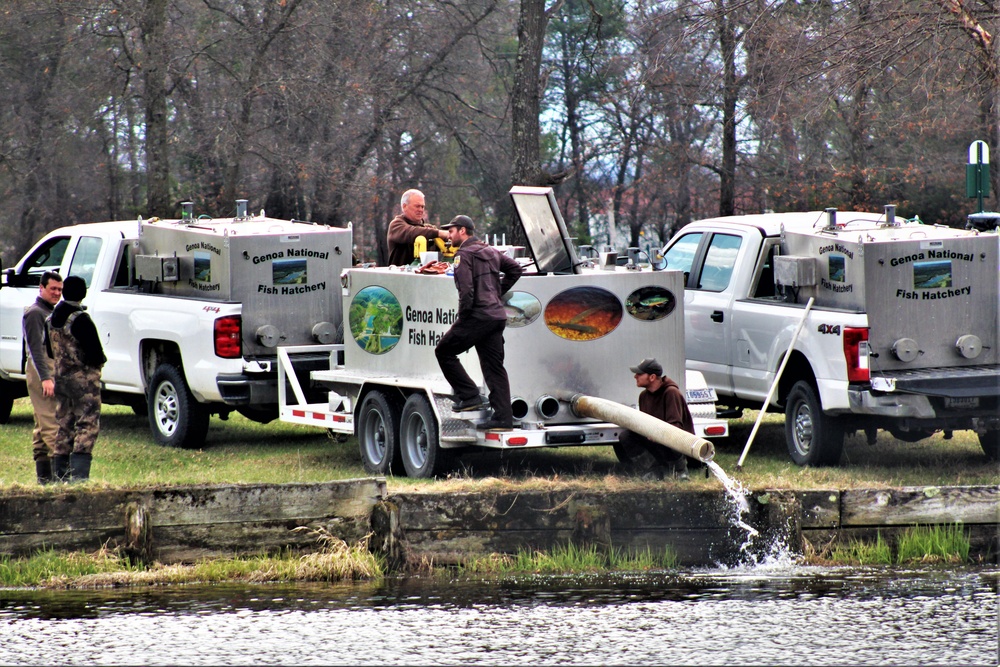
(663, 399)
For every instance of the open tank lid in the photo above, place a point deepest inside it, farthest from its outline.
(545, 230)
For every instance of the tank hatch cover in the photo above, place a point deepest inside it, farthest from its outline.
(544, 229)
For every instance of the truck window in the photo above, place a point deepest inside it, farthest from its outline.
(764, 287)
(85, 258)
(122, 272)
(681, 254)
(719, 262)
(47, 257)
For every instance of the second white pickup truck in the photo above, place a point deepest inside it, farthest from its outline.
(190, 311)
(900, 333)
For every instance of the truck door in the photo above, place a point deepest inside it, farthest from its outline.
(122, 371)
(708, 260)
(754, 333)
(19, 291)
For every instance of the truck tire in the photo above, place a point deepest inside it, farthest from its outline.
(6, 400)
(378, 434)
(990, 442)
(813, 438)
(419, 439)
(175, 417)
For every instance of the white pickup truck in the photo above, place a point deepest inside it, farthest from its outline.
(190, 311)
(900, 334)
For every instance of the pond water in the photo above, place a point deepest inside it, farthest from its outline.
(764, 615)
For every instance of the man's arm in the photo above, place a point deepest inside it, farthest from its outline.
(34, 340)
(83, 330)
(511, 271)
(403, 233)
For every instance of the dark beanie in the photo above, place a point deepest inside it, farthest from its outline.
(74, 288)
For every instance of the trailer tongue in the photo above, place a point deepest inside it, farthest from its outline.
(572, 329)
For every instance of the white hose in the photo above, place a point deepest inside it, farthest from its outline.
(655, 429)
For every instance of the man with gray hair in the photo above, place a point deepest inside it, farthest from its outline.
(408, 226)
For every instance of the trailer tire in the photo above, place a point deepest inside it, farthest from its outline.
(175, 417)
(419, 440)
(813, 438)
(378, 434)
(990, 442)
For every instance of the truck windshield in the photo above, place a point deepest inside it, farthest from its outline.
(47, 257)
(681, 254)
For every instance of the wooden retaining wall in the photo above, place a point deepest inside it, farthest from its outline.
(184, 524)
(187, 523)
(697, 525)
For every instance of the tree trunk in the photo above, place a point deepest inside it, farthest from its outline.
(154, 76)
(526, 96)
(730, 97)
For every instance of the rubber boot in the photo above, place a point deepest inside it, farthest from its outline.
(60, 468)
(79, 465)
(43, 470)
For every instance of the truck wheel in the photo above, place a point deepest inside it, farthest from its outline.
(814, 439)
(378, 428)
(175, 417)
(6, 400)
(418, 437)
(990, 442)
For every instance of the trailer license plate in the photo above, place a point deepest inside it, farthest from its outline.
(962, 403)
(701, 395)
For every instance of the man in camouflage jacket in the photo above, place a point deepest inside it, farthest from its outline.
(79, 357)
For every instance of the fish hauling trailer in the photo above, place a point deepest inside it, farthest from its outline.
(572, 332)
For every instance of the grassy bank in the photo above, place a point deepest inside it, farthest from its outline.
(333, 560)
(240, 451)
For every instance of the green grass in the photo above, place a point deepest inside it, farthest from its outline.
(335, 560)
(860, 552)
(48, 564)
(917, 544)
(933, 544)
(570, 559)
(241, 451)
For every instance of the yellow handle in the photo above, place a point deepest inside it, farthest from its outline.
(419, 246)
(445, 250)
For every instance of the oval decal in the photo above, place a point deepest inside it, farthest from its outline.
(522, 309)
(650, 303)
(376, 319)
(583, 313)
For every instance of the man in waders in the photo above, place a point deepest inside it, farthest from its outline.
(79, 357)
(39, 371)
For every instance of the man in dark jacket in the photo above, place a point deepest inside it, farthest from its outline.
(663, 399)
(39, 371)
(482, 275)
(405, 228)
(79, 357)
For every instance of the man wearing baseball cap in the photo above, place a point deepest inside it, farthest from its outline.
(663, 399)
(482, 275)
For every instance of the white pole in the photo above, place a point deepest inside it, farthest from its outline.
(774, 384)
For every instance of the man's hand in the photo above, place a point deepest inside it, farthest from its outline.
(48, 387)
